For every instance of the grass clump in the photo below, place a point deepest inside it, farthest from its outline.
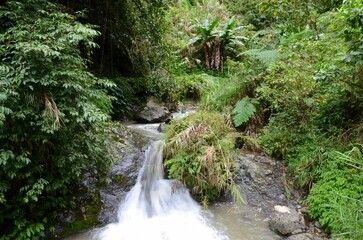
(199, 152)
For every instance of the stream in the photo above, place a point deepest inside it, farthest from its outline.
(163, 209)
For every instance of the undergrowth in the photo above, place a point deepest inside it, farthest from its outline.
(337, 198)
(199, 152)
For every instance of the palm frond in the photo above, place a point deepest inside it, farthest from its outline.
(231, 24)
(206, 30)
(194, 40)
(213, 25)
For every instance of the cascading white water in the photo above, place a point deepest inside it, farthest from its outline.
(159, 209)
(171, 213)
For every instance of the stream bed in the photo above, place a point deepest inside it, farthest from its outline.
(159, 209)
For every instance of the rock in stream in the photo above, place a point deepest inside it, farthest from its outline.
(262, 179)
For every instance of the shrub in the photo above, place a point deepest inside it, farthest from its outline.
(127, 94)
(199, 152)
(228, 90)
(194, 86)
(52, 114)
(337, 199)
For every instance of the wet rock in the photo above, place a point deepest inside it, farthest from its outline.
(123, 176)
(260, 177)
(162, 127)
(67, 216)
(287, 223)
(282, 209)
(302, 236)
(304, 210)
(153, 102)
(97, 200)
(154, 114)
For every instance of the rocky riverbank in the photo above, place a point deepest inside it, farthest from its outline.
(98, 200)
(261, 177)
(265, 188)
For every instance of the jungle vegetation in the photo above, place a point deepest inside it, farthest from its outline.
(278, 77)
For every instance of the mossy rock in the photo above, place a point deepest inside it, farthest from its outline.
(85, 216)
(119, 180)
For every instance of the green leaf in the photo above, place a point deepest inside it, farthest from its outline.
(267, 57)
(243, 111)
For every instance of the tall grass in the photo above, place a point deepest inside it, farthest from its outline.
(199, 152)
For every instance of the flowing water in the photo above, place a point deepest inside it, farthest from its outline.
(161, 209)
(158, 209)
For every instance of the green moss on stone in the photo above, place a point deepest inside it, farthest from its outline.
(119, 180)
(86, 217)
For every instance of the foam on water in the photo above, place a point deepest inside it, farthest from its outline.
(159, 209)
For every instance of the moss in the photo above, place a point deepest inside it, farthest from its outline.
(85, 217)
(103, 181)
(119, 180)
(118, 138)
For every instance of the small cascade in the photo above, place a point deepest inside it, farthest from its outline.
(159, 209)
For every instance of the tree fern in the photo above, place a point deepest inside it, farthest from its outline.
(243, 111)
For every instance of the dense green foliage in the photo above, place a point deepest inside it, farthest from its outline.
(287, 78)
(199, 150)
(336, 199)
(302, 64)
(131, 50)
(52, 114)
(130, 34)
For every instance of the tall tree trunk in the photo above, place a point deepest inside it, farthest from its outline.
(213, 53)
(217, 56)
(207, 54)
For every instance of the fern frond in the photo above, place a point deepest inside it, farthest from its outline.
(243, 111)
(265, 56)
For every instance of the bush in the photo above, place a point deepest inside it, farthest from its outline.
(194, 86)
(228, 90)
(127, 94)
(52, 114)
(336, 199)
(199, 152)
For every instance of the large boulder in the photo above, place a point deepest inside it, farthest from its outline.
(260, 177)
(155, 114)
(287, 221)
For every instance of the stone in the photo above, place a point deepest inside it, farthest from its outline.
(303, 236)
(304, 210)
(152, 102)
(287, 223)
(155, 114)
(282, 209)
(162, 127)
(261, 181)
(67, 216)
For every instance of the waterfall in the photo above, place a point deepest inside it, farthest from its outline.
(159, 209)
